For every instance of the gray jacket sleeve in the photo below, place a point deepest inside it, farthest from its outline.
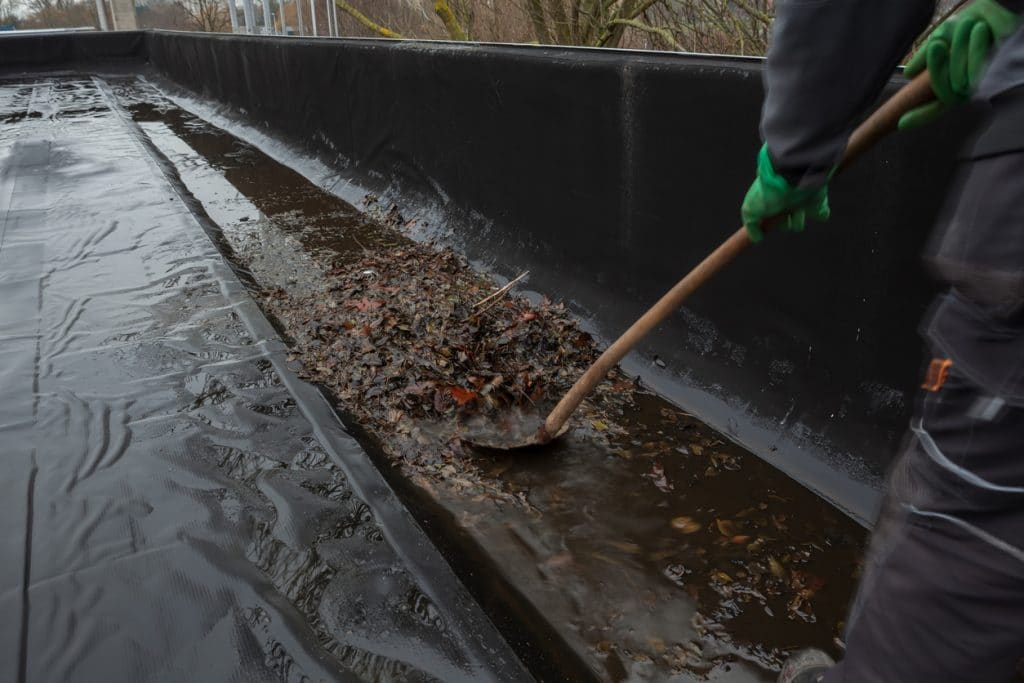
(828, 62)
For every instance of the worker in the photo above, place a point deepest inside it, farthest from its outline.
(942, 594)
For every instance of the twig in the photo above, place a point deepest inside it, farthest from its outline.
(501, 290)
(360, 244)
(366, 21)
(485, 309)
(661, 32)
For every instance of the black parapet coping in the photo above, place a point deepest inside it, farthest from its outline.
(70, 49)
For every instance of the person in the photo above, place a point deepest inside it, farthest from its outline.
(941, 598)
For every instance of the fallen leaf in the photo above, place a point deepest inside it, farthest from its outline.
(364, 304)
(688, 525)
(726, 527)
(462, 396)
(657, 475)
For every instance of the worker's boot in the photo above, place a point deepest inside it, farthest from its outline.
(805, 666)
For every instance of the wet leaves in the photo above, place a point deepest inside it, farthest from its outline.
(396, 338)
(362, 305)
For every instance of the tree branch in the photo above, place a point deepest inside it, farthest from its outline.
(365, 20)
(540, 29)
(558, 17)
(451, 24)
(659, 31)
(641, 8)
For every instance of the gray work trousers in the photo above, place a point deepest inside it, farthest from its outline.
(942, 596)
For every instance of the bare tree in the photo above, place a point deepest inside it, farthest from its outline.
(7, 12)
(708, 26)
(366, 21)
(453, 15)
(731, 26)
(206, 15)
(162, 14)
(723, 26)
(58, 14)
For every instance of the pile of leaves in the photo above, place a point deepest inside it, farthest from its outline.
(412, 342)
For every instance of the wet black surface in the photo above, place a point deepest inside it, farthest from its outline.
(176, 505)
(651, 545)
(502, 147)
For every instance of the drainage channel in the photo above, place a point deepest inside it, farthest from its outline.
(645, 549)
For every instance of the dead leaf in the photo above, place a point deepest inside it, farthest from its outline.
(364, 304)
(688, 525)
(462, 396)
(726, 527)
(657, 475)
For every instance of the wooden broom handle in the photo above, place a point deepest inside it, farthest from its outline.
(873, 129)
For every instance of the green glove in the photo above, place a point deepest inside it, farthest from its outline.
(771, 195)
(955, 54)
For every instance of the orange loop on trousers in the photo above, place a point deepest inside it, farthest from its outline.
(938, 371)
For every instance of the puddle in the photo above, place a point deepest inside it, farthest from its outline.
(651, 545)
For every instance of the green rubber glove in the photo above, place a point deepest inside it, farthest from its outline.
(955, 54)
(771, 195)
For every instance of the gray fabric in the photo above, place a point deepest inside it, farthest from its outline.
(986, 348)
(828, 61)
(942, 596)
(1006, 70)
(978, 243)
